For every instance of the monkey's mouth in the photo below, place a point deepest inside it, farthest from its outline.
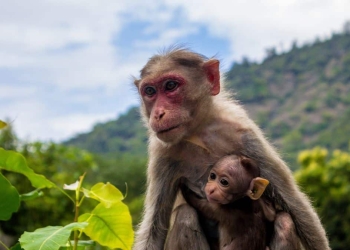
(222, 201)
(211, 199)
(168, 129)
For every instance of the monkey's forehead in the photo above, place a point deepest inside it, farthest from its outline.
(229, 168)
(173, 59)
(164, 71)
(155, 70)
(228, 160)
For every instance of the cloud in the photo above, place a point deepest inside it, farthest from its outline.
(253, 26)
(64, 65)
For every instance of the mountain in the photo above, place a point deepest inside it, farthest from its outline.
(300, 98)
(124, 135)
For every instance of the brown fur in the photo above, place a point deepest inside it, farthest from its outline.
(245, 220)
(223, 127)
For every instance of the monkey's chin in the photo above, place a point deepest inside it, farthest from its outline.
(217, 201)
(173, 135)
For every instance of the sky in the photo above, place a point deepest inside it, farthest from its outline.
(66, 65)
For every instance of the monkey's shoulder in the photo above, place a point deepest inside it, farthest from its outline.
(224, 136)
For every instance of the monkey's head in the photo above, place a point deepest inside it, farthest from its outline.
(176, 89)
(232, 178)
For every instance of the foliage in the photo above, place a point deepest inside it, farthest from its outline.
(301, 86)
(109, 223)
(125, 171)
(62, 164)
(327, 180)
(9, 200)
(49, 237)
(125, 135)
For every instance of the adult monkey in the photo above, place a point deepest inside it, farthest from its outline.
(191, 125)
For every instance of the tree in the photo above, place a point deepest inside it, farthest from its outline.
(270, 53)
(346, 27)
(326, 179)
(8, 138)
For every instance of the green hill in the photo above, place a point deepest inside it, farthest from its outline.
(124, 135)
(300, 98)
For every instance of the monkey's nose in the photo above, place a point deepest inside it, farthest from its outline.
(159, 115)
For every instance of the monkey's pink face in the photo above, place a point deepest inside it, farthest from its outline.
(218, 189)
(164, 100)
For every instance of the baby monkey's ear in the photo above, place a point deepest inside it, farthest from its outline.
(257, 188)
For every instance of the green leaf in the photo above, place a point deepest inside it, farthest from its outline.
(79, 247)
(104, 193)
(82, 245)
(16, 247)
(49, 238)
(31, 195)
(2, 124)
(15, 162)
(9, 199)
(111, 226)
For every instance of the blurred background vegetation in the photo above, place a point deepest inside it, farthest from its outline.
(300, 98)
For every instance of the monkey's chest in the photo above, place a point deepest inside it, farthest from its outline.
(194, 169)
(195, 162)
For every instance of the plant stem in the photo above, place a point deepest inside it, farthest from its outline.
(3, 244)
(62, 191)
(77, 206)
(76, 238)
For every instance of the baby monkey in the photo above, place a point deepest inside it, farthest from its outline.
(246, 220)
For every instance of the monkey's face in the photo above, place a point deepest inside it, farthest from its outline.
(218, 188)
(166, 108)
(176, 99)
(227, 181)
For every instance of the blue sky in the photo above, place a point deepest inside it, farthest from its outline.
(67, 65)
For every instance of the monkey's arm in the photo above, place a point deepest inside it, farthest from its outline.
(160, 196)
(268, 209)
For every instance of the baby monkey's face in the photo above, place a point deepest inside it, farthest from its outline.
(227, 182)
(232, 178)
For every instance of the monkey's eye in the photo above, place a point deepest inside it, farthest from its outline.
(224, 182)
(212, 176)
(149, 91)
(171, 85)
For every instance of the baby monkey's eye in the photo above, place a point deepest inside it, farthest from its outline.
(212, 176)
(224, 182)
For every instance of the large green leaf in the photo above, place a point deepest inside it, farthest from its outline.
(15, 162)
(9, 199)
(104, 193)
(82, 245)
(48, 238)
(111, 226)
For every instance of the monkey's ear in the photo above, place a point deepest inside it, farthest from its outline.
(250, 165)
(136, 82)
(257, 188)
(212, 70)
(247, 163)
